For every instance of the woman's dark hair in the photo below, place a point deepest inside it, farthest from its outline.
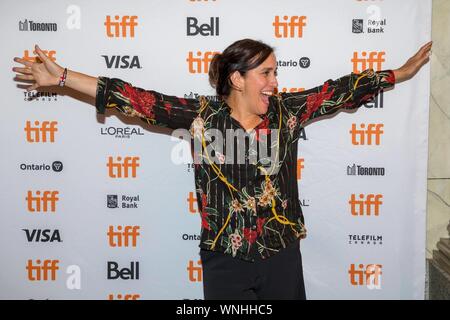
(242, 56)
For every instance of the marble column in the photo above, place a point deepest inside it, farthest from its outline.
(438, 205)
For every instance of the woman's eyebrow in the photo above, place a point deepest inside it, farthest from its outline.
(270, 69)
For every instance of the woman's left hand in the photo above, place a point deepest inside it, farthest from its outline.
(413, 65)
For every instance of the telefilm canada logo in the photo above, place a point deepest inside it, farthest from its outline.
(365, 240)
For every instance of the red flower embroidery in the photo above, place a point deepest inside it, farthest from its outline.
(250, 235)
(390, 78)
(141, 101)
(182, 101)
(314, 101)
(259, 224)
(168, 107)
(204, 214)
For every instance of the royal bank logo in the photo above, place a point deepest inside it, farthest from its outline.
(114, 201)
(372, 26)
(358, 26)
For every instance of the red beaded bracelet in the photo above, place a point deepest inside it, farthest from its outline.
(62, 79)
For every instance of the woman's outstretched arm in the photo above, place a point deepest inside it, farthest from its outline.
(153, 107)
(46, 73)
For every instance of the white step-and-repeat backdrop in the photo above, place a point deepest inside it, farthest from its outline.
(75, 227)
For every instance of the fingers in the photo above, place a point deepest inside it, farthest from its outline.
(40, 53)
(23, 70)
(23, 61)
(33, 87)
(426, 49)
(24, 77)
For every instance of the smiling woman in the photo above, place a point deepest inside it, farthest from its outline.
(251, 217)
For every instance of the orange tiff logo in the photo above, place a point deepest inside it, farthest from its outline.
(372, 60)
(42, 270)
(124, 236)
(367, 136)
(191, 201)
(122, 168)
(120, 26)
(195, 273)
(289, 27)
(42, 202)
(365, 205)
(49, 53)
(300, 166)
(41, 132)
(200, 63)
(369, 275)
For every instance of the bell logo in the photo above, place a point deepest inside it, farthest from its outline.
(131, 273)
(195, 272)
(122, 168)
(119, 27)
(300, 166)
(370, 276)
(41, 132)
(375, 59)
(42, 270)
(367, 136)
(192, 200)
(365, 205)
(200, 63)
(50, 54)
(124, 297)
(290, 27)
(211, 29)
(124, 236)
(42, 203)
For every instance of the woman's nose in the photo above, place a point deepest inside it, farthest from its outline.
(275, 82)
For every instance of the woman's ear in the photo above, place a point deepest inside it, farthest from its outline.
(237, 81)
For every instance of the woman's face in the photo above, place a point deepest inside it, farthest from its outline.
(259, 84)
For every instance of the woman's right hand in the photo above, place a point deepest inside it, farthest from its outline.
(44, 72)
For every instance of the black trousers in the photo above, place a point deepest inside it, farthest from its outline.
(278, 277)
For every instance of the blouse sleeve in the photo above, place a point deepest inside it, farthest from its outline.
(153, 107)
(348, 92)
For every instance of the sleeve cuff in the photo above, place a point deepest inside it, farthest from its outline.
(101, 98)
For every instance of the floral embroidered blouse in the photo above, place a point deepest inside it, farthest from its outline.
(247, 203)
